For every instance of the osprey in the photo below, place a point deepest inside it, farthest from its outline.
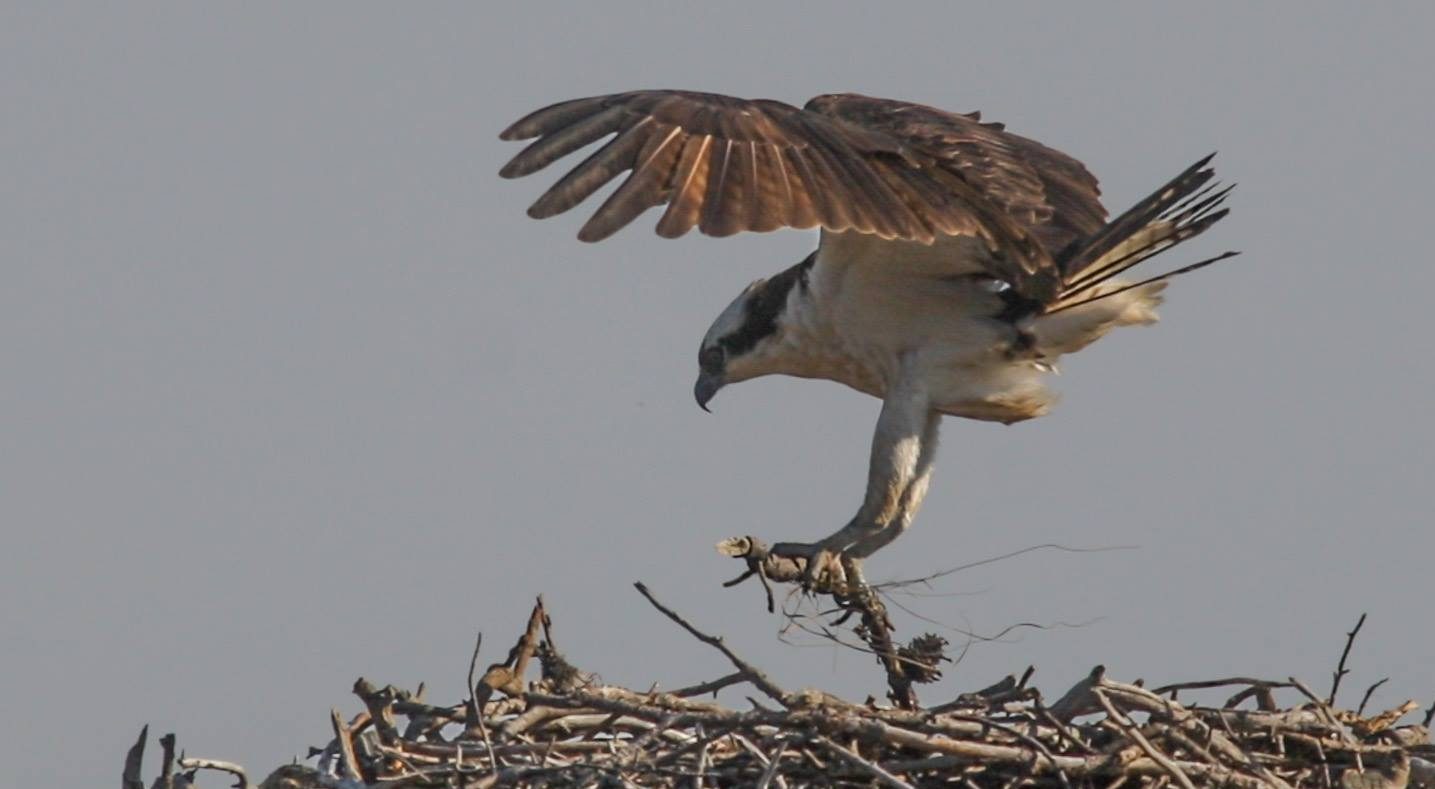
(957, 261)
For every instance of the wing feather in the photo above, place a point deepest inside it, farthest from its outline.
(689, 186)
(553, 117)
(1047, 192)
(727, 165)
(645, 188)
(843, 213)
(551, 148)
(717, 210)
(799, 205)
(846, 203)
(770, 194)
(856, 166)
(585, 179)
(817, 180)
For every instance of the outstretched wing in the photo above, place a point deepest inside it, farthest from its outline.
(725, 164)
(1046, 192)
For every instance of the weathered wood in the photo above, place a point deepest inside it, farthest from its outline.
(567, 729)
(134, 762)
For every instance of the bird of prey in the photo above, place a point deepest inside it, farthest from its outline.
(957, 261)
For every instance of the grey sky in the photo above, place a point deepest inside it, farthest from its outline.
(293, 391)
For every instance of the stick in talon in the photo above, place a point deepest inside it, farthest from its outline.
(823, 569)
(852, 567)
(761, 561)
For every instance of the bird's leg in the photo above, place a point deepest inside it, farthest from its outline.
(902, 452)
(911, 498)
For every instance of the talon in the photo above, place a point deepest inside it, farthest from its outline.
(823, 569)
(852, 568)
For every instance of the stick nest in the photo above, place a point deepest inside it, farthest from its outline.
(564, 728)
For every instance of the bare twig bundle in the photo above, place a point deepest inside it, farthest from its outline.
(565, 729)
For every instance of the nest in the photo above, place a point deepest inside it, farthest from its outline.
(566, 729)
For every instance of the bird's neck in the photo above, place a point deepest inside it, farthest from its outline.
(808, 345)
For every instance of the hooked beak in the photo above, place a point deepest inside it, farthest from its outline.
(708, 385)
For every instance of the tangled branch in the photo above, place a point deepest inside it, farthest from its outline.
(565, 729)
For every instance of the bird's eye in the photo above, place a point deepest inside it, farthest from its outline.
(711, 358)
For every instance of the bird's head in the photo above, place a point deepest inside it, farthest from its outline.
(746, 339)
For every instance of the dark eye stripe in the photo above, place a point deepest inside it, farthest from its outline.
(765, 304)
(711, 359)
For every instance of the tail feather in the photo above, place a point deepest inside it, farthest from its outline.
(1109, 305)
(1097, 292)
(1182, 209)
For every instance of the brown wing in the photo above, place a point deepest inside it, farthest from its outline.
(725, 165)
(1047, 192)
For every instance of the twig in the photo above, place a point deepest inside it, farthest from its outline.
(1324, 763)
(1265, 699)
(754, 676)
(702, 759)
(166, 768)
(473, 713)
(871, 768)
(1323, 707)
(346, 746)
(1366, 698)
(1135, 734)
(1219, 683)
(132, 777)
(493, 762)
(773, 763)
(712, 686)
(471, 707)
(981, 697)
(1340, 669)
(458, 713)
(1036, 745)
(652, 734)
(700, 741)
(1061, 728)
(191, 765)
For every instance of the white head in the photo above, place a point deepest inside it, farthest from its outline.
(744, 341)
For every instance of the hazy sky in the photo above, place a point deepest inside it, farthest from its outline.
(293, 391)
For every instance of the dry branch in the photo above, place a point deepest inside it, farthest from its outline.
(134, 762)
(756, 677)
(563, 729)
(194, 765)
(1340, 669)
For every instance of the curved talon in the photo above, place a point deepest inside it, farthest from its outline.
(852, 568)
(814, 559)
(823, 569)
(824, 565)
